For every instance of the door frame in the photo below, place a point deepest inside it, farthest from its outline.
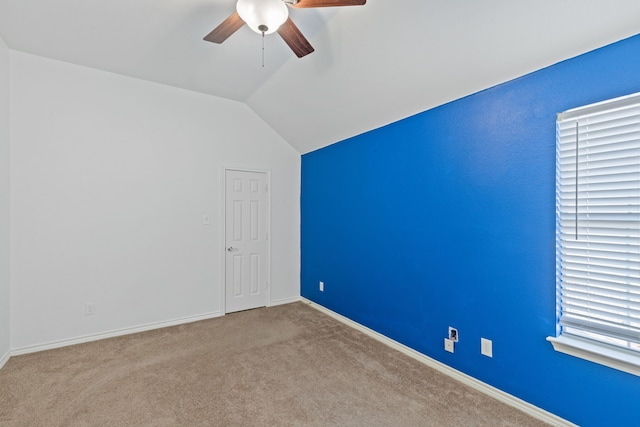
(223, 235)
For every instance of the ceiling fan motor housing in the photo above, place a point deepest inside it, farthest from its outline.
(269, 16)
(263, 16)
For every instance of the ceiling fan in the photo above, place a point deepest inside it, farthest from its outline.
(269, 16)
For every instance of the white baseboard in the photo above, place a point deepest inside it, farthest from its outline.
(472, 382)
(112, 334)
(4, 359)
(125, 331)
(283, 301)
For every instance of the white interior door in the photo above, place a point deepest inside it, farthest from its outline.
(246, 235)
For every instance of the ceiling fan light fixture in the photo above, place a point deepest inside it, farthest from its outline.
(263, 16)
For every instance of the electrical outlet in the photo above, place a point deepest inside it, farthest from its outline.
(321, 286)
(89, 309)
(486, 347)
(453, 334)
(448, 345)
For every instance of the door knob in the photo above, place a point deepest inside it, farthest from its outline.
(231, 249)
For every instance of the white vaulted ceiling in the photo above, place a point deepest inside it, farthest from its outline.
(373, 64)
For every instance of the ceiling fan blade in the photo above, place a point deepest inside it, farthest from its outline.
(294, 38)
(224, 30)
(327, 3)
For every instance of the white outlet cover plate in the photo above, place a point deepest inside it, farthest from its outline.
(448, 345)
(89, 309)
(486, 347)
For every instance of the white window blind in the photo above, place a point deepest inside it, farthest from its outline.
(598, 222)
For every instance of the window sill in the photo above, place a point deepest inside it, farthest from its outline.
(616, 358)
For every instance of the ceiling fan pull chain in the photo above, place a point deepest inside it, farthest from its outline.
(264, 29)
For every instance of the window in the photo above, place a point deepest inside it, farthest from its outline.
(598, 233)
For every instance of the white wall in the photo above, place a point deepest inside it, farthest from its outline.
(4, 202)
(110, 179)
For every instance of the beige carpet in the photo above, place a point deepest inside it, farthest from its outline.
(281, 366)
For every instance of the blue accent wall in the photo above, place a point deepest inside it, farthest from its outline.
(447, 218)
